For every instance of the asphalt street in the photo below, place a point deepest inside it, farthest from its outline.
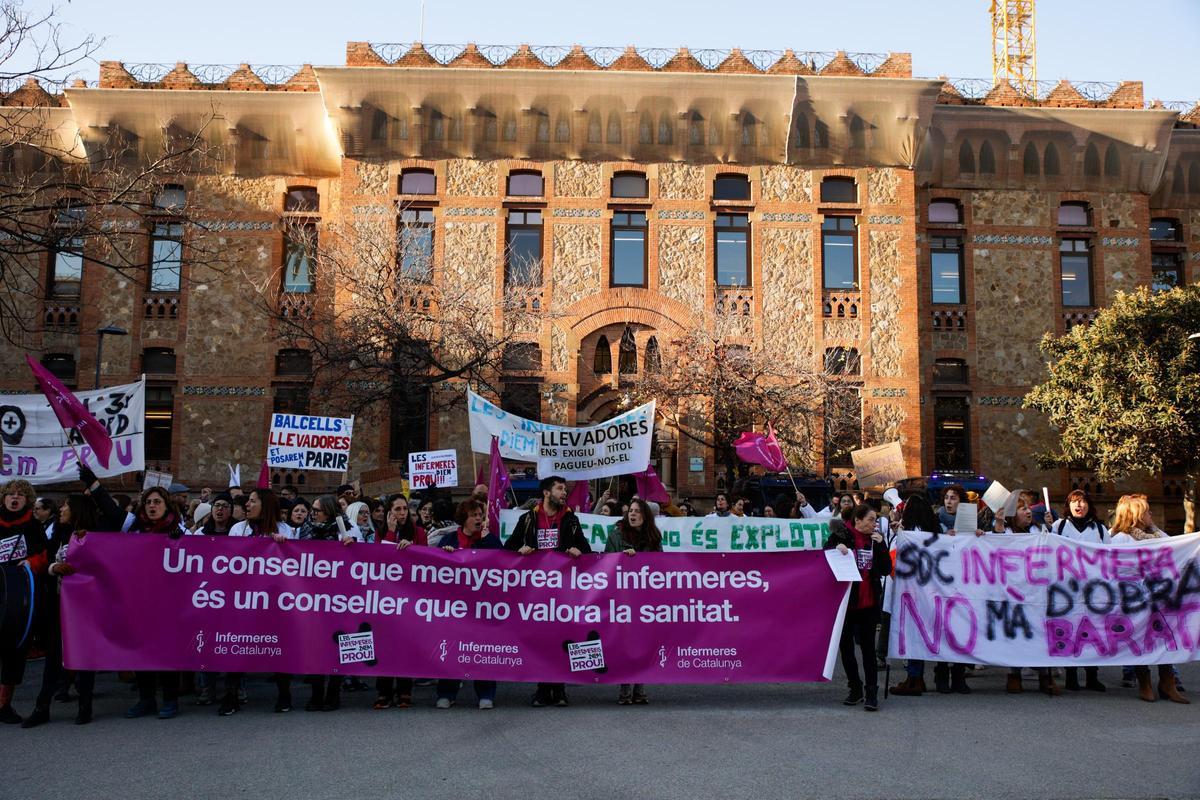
(754, 741)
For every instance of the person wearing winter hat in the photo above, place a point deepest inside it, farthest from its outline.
(200, 517)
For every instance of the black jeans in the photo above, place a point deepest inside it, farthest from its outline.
(394, 687)
(860, 629)
(149, 682)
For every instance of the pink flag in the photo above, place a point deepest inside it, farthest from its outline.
(649, 487)
(72, 414)
(264, 477)
(764, 449)
(498, 486)
(580, 498)
(479, 476)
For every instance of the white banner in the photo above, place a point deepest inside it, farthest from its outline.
(300, 441)
(433, 468)
(706, 534)
(617, 447)
(1040, 600)
(37, 449)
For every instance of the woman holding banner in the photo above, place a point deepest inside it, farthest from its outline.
(635, 533)
(401, 531)
(23, 559)
(325, 523)
(1079, 524)
(1133, 523)
(861, 536)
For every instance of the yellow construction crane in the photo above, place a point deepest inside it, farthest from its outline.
(1014, 45)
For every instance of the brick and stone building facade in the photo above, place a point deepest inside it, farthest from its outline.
(973, 224)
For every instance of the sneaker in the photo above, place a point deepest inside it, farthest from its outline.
(444, 702)
(204, 697)
(561, 701)
(283, 703)
(242, 696)
(169, 710)
(229, 705)
(84, 715)
(854, 697)
(539, 700)
(141, 708)
(486, 705)
(40, 716)
(382, 702)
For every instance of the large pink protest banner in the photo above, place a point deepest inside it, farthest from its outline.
(254, 605)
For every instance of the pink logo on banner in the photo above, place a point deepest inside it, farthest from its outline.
(254, 605)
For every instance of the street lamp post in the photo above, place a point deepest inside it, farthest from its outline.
(107, 330)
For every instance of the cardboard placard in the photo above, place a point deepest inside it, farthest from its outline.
(879, 465)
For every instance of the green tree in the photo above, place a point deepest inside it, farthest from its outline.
(1125, 391)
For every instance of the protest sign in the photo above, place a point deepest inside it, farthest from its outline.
(433, 468)
(1041, 600)
(616, 447)
(156, 478)
(879, 465)
(249, 604)
(996, 496)
(298, 441)
(706, 534)
(619, 446)
(37, 448)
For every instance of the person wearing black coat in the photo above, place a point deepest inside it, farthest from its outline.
(861, 537)
(550, 525)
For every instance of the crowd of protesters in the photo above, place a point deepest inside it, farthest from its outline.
(40, 533)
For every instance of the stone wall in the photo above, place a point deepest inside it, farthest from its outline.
(682, 264)
(470, 259)
(227, 313)
(1120, 273)
(1009, 438)
(372, 178)
(886, 299)
(468, 177)
(1010, 208)
(577, 179)
(1117, 208)
(229, 193)
(575, 266)
(884, 424)
(883, 187)
(681, 182)
(215, 431)
(787, 301)
(1014, 306)
(786, 184)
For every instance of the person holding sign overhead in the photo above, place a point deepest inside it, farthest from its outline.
(550, 525)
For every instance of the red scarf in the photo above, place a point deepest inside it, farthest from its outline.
(466, 542)
(168, 523)
(866, 590)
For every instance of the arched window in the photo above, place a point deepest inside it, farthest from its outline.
(858, 133)
(630, 184)
(749, 131)
(510, 129)
(665, 129)
(491, 128)
(437, 126)
(594, 129)
(987, 159)
(820, 135)
(627, 354)
(602, 361)
(1073, 214)
(838, 189)
(1091, 161)
(171, 198)
(418, 181)
(379, 125)
(646, 130)
(301, 199)
(1194, 178)
(945, 211)
(1050, 165)
(542, 133)
(731, 187)
(653, 357)
(1031, 165)
(802, 131)
(525, 183)
(614, 128)
(696, 130)
(966, 159)
(714, 133)
(562, 130)
(1112, 162)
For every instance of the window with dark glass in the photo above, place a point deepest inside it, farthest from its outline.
(415, 241)
(302, 200)
(950, 370)
(946, 268)
(1074, 214)
(523, 250)
(630, 184)
(842, 361)
(525, 184)
(290, 400)
(166, 257)
(299, 257)
(839, 253)
(158, 360)
(731, 187)
(66, 255)
(293, 363)
(843, 426)
(627, 353)
(1165, 229)
(522, 398)
(1167, 271)
(418, 181)
(1075, 261)
(602, 360)
(521, 357)
(61, 366)
(838, 189)
(733, 250)
(951, 434)
(946, 212)
(172, 199)
(160, 416)
(628, 248)
(653, 355)
(987, 159)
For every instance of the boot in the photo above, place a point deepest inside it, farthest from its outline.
(1072, 679)
(855, 695)
(1046, 684)
(909, 687)
(1145, 687)
(1167, 688)
(872, 701)
(333, 696)
(1013, 684)
(1092, 682)
(41, 715)
(8, 714)
(283, 697)
(317, 700)
(958, 679)
(84, 715)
